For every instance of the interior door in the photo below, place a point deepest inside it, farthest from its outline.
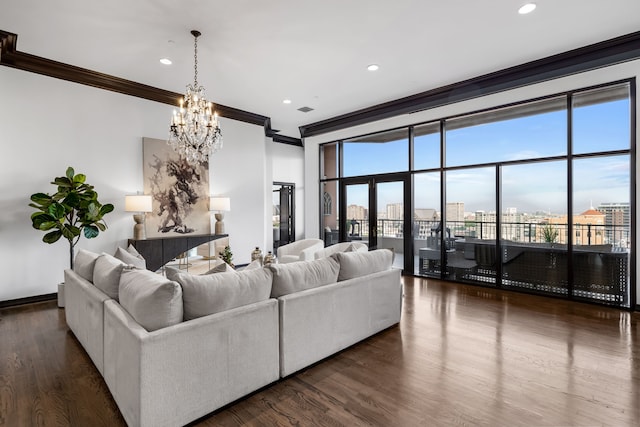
(283, 214)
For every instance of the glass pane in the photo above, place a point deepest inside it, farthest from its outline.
(329, 212)
(470, 226)
(602, 229)
(379, 153)
(390, 218)
(601, 120)
(357, 212)
(426, 146)
(329, 161)
(528, 131)
(534, 225)
(426, 217)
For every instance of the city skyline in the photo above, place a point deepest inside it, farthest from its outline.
(532, 187)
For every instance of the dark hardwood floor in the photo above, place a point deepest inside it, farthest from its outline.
(461, 356)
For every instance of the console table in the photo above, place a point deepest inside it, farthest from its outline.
(157, 251)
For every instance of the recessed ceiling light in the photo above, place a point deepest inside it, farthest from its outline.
(527, 8)
(373, 67)
(166, 61)
(286, 101)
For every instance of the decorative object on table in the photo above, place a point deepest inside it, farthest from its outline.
(195, 131)
(227, 256)
(256, 254)
(140, 203)
(220, 205)
(269, 258)
(70, 212)
(180, 191)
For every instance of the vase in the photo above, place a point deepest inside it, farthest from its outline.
(256, 254)
(270, 258)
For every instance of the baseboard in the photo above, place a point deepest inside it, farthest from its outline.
(28, 300)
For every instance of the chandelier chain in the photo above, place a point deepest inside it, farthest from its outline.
(195, 61)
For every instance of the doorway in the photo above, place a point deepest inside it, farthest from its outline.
(373, 212)
(284, 208)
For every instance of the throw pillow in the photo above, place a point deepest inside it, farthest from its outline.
(84, 264)
(253, 265)
(106, 274)
(357, 264)
(222, 267)
(131, 259)
(214, 293)
(298, 276)
(152, 300)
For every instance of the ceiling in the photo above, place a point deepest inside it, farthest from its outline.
(254, 54)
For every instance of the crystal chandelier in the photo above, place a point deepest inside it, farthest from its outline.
(195, 131)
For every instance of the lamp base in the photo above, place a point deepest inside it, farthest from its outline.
(139, 230)
(219, 223)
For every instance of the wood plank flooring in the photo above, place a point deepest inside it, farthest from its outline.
(462, 356)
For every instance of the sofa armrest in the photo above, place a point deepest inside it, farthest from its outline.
(316, 323)
(84, 313)
(309, 253)
(177, 374)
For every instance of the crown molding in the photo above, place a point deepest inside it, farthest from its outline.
(11, 57)
(602, 54)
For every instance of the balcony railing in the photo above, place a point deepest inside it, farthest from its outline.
(618, 236)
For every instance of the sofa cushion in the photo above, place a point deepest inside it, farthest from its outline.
(129, 257)
(214, 293)
(106, 274)
(301, 275)
(84, 263)
(357, 264)
(152, 300)
(219, 267)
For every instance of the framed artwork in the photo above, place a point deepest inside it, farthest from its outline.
(180, 191)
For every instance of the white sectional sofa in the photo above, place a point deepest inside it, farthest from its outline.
(172, 351)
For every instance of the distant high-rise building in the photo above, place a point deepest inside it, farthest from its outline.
(617, 222)
(357, 212)
(455, 211)
(395, 211)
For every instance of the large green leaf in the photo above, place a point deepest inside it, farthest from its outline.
(39, 218)
(48, 225)
(56, 210)
(62, 181)
(41, 198)
(102, 226)
(70, 232)
(80, 178)
(70, 172)
(72, 199)
(91, 231)
(52, 237)
(105, 209)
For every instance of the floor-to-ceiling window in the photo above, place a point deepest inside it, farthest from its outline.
(533, 196)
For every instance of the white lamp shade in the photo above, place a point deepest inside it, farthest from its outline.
(219, 204)
(138, 203)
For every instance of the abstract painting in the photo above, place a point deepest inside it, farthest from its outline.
(180, 191)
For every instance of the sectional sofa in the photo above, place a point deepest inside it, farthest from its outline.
(173, 349)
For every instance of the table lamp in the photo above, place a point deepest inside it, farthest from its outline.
(140, 203)
(219, 205)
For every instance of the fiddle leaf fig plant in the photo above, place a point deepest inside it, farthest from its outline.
(72, 211)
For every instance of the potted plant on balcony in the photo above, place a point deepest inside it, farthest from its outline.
(72, 211)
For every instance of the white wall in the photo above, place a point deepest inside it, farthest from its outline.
(603, 75)
(287, 163)
(48, 124)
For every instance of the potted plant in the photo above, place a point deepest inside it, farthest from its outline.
(227, 256)
(70, 212)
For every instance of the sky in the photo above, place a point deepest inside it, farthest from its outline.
(532, 187)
